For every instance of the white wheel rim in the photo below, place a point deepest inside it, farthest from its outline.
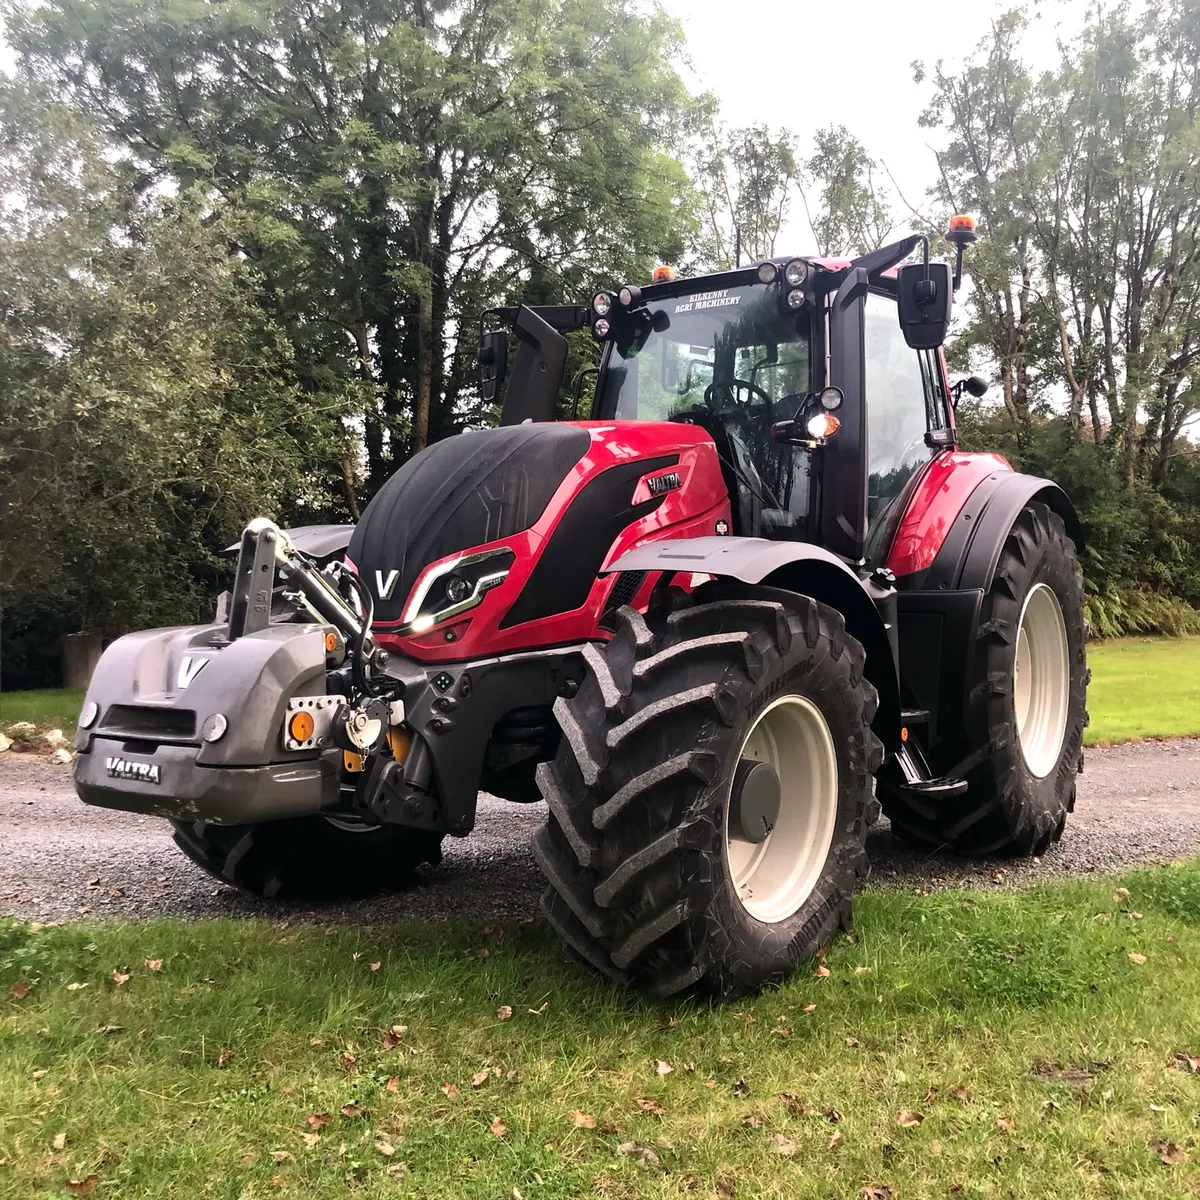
(1041, 680)
(773, 878)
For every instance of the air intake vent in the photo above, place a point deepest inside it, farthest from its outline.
(623, 592)
(155, 722)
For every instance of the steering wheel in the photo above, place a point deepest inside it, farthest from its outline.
(730, 388)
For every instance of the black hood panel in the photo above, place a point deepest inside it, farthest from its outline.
(459, 493)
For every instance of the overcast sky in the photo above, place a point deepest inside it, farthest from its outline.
(808, 64)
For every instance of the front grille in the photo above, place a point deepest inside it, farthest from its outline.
(623, 592)
(150, 721)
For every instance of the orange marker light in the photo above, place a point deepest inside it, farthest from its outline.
(962, 224)
(904, 733)
(301, 726)
(823, 425)
(330, 643)
(663, 274)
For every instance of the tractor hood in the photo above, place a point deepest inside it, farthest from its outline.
(488, 540)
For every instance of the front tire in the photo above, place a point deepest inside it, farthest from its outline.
(653, 880)
(1027, 694)
(308, 858)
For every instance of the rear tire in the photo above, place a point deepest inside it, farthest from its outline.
(1026, 707)
(646, 884)
(308, 858)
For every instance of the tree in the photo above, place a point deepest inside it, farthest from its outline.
(393, 169)
(146, 401)
(851, 213)
(746, 177)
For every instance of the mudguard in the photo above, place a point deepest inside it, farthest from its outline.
(968, 555)
(797, 567)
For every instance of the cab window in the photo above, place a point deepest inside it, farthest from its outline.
(899, 405)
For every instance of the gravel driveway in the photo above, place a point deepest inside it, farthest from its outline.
(60, 859)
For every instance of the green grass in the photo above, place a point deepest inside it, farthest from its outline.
(1039, 1059)
(1143, 687)
(47, 708)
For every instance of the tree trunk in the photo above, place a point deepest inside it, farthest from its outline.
(425, 340)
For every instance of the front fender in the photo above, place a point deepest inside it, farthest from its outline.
(797, 567)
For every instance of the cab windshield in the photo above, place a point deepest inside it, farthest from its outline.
(735, 361)
(736, 346)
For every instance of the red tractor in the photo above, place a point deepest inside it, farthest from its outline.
(756, 596)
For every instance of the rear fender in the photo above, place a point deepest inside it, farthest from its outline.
(969, 554)
(796, 567)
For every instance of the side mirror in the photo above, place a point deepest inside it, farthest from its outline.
(924, 296)
(976, 385)
(492, 357)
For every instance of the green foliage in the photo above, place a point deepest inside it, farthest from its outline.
(145, 398)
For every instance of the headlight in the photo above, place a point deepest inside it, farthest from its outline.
(214, 727)
(602, 303)
(87, 718)
(767, 272)
(796, 272)
(629, 296)
(455, 587)
(796, 298)
(831, 398)
(600, 328)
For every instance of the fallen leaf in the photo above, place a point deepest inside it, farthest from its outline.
(449, 1089)
(111, 1030)
(852, 1041)
(1137, 959)
(310, 1139)
(375, 966)
(783, 1031)
(39, 1075)
(960, 1093)
(746, 1018)
(1168, 1153)
(393, 1084)
(1121, 894)
(651, 1106)
(224, 1059)
(482, 952)
(391, 1037)
(351, 1110)
(537, 1012)
(281, 1155)
(930, 1096)
(1184, 1061)
(662, 1067)
(318, 1120)
(875, 1191)
(118, 978)
(396, 1170)
(154, 964)
(347, 1059)
(810, 1008)
(60, 1141)
(513, 1076)
(76, 987)
(498, 1127)
(831, 1114)
(82, 1187)
(480, 1078)
(783, 1145)
(384, 1147)
(19, 991)
(248, 1157)
(1075, 1077)
(795, 1105)
(752, 1121)
(1134, 916)
(582, 1120)
(1004, 1124)
(643, 1154)
(504, 1012)
(822, 971)
(907, 1119)
(316, 1041)
(710, 1083)
(862, 970)
(741, 1088)
(835, 1139)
